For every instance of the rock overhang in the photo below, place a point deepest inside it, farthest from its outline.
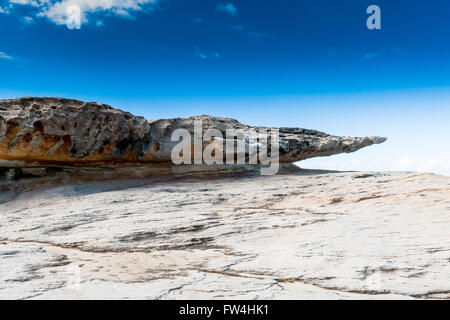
(52, 131)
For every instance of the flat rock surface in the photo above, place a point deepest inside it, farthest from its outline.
(307, 235)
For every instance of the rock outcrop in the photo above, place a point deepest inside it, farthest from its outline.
(49, 131)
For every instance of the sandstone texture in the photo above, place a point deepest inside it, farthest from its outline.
(299, 235)
(51, 131)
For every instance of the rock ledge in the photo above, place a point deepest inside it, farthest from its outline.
(54, 131)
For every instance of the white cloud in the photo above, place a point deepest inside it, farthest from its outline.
(199, 53)
(4, 10)
(35, 3)
(228, 8)
(56, 10)
(4, 56)
(28, 20)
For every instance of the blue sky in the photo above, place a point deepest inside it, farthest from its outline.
(310, 63)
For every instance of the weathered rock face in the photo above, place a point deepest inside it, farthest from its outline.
(295, 144)
(48, 131)
(61, 130)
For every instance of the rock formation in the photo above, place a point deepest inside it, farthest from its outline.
(55, 131)
(130, 233)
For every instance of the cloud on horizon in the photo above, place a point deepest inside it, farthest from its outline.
(368, 161)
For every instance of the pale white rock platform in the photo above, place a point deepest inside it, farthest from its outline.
(306, 235)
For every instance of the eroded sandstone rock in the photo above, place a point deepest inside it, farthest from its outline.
(62, 130)
(49, 131)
